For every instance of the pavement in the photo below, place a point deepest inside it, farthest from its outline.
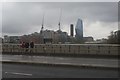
(62, 61)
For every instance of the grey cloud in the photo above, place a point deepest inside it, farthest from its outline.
(94, 11)
(0, 19)
(22, 17)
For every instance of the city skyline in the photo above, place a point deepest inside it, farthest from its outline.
(25, 18)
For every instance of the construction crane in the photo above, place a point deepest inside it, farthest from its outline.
(42, 24)
(59, 24)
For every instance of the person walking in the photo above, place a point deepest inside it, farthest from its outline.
(31, 46)
(27, 46)
(22, 47)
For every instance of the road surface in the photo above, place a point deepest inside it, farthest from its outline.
(37, 71)
(62, 60)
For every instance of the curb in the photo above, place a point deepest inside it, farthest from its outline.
(61, 65)
(64, 55)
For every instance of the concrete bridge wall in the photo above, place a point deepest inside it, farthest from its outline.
(100, 49)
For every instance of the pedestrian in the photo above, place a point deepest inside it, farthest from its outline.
(22, 46)
(27, 46)
(31, 46)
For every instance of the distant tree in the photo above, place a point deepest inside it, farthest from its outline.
(114, 37)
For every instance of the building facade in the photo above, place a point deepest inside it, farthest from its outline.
(11, 39)
(79, 30)
(71, 30)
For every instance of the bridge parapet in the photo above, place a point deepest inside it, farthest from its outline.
(98, 49)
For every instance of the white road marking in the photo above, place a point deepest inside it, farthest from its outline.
(7, 60)
(45, 61)
(25, 74)
(61, 58)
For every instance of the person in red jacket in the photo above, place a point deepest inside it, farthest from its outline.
(23, 45)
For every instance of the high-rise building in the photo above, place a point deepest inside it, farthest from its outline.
(79, 30)
(71, 30)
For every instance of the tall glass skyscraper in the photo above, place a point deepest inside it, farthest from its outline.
(79, 30)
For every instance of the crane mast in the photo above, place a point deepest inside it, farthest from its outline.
(59, 24)
(42, 24)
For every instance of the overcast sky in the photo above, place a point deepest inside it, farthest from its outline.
(99, 18)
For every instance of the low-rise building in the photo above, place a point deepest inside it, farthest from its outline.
(88, 39)
(11, 39)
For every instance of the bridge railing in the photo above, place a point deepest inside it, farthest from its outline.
(98, 49)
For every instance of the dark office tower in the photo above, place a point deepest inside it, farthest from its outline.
(79, 30)
(71, 30)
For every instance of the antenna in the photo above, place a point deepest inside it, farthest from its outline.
(59, 24)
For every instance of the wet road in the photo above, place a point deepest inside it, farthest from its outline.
(63, 60)
(37, 71)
